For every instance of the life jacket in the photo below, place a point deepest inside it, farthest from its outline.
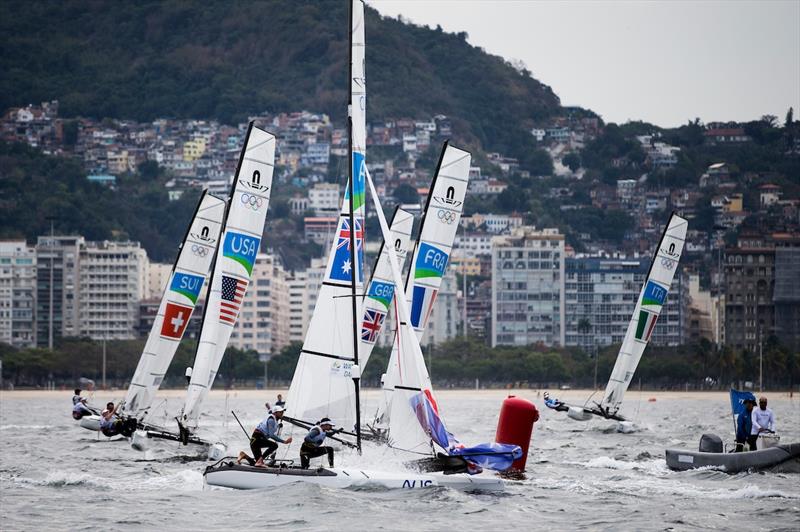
(76, 399)
(316, 440)
(263, 427)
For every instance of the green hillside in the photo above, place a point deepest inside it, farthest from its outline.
(225, 60)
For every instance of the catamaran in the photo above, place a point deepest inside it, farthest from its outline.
(429, 262)
(189, 272)
(231, 262)
(648, 307)
(326, 382)
(232, 270)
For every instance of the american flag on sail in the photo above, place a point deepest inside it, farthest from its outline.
(232, 294)
(373, 321)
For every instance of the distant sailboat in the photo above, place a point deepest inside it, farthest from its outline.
(379, 296)
(189, 272)
(183, 288)
(233, 266)
(430, 259)
(651, 300)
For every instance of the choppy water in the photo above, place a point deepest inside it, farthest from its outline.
(57, 476)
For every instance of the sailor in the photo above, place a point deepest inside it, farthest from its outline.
(312, 444)
(266, 436)
(79, 408)
(280, 402)
(744, 425)
(763, 419)
(109, 424)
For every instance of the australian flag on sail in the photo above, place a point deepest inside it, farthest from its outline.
(371, 327)
(342, 263)
(737, 401)
(496, 456)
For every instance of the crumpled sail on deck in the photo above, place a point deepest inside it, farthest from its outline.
(380, 290)
(322, 385)
(431, 255)
(233, 266)
(189, 272)
(648, 308)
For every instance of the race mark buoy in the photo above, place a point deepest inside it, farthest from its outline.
(515, 426)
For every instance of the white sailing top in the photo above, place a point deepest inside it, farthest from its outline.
(762, 419)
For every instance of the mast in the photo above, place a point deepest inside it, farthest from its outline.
(353, 250)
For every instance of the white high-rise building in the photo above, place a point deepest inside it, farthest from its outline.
(113, 279)
(263, 325)
(303, 289)
(528, 288)
(57, 302)
(324, 199)
(17, 294)
(157, 278)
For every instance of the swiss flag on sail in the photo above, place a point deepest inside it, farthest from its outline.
(176, 317)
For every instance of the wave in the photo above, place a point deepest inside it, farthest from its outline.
(24, 427)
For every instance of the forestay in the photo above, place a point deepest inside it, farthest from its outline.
(323, 381)
(648, 308)
(380, 289)
(189, 272)
(233, 267)
(431, 256)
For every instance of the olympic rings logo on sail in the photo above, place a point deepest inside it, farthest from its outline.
(200, 251)
(251, 201)
(447, 217)
(667, 263)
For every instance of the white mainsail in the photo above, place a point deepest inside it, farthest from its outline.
(323, 381)
(429, 261)
(648, 308)
(405, 430)
(188, 274)
(380, 290)
(233, 266)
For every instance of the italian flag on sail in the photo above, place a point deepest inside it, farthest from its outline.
(645, 325)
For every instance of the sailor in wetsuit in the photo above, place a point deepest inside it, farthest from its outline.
(265, 435)
(312, 444)
(79, 408)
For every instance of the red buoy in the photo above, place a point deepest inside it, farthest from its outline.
(515, 426)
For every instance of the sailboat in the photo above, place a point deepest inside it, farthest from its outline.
(189, 272)
(230, 258)
(429, 262)
(326, 379)
(651, 300)
(379, 297)
(232, 269)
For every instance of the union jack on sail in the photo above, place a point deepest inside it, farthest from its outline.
(373, 321)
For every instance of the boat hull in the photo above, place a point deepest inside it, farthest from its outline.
(228, 474)
(144, 440)
(90, 422)
(682, 460)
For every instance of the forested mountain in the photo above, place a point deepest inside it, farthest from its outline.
(225, 60)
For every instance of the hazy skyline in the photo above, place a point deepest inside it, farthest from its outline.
(662, 62)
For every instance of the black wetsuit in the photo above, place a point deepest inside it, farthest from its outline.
(312, 447)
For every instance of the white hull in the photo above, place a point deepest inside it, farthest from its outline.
(141, 441)
(246, 477)
(90, 423)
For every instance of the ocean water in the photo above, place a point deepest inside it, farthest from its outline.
(580, 476)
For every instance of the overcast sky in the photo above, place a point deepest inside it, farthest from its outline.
(660, 61)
